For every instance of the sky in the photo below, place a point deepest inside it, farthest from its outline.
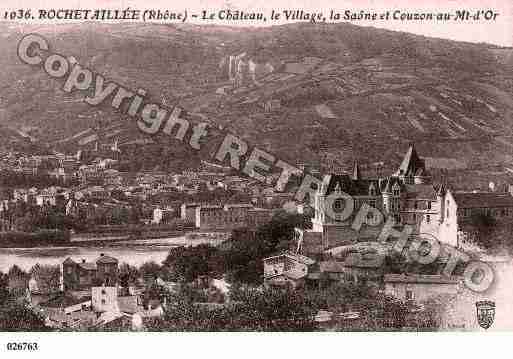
(498, 32)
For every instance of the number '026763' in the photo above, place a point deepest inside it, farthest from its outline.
(22, 346)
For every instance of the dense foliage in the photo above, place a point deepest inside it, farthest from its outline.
(15, 313)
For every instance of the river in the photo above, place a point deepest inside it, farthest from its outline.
(131, 252)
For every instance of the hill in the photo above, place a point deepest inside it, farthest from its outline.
(344, 92)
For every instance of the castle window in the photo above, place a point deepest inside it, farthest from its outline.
(338, 205)
(428, 204)
(415, 205)
(428, 218)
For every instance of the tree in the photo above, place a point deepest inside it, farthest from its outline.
(252, 310)
(486, 229)
(16, 272)
(150, 270)
(18, 317)
(185, 264)
(4, 290)
(128, 275)
(47, 278)
(120, 215)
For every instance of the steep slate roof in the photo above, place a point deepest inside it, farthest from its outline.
(482, 200)
(412, 164)
(361, 187)
(348, 185)
(387, 184)
(356, 171)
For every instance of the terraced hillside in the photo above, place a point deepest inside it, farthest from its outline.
(336, 92)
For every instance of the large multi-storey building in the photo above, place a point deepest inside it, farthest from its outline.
(408, 197)
(230, 216)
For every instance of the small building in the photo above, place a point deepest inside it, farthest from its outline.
(495, 204)
(188, 212)
(258, 217)
(163, 215)
(288, 269)
(272, 105)
(350, 272)
(84, 275)
(66, 311)
(230, 216)
(18, 285)
(104, 299)
(419, 287)
(210, 217)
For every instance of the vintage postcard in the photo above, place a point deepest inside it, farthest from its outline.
(241, 166)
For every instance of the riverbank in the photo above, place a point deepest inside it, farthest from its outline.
(133, 252)
(94, 240)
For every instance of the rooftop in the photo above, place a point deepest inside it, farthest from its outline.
(63, 301)
(482, 199)
(419, 278)
(106, 259)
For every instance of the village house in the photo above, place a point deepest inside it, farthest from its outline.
(188, 212)
(114, 302)
(163, 215)
(494, 207)
(229, 217)
(67, 312)
(419, 287)
(84, 275)
(104, 299)
(271, 105)
(288, 269)
(348, 272)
